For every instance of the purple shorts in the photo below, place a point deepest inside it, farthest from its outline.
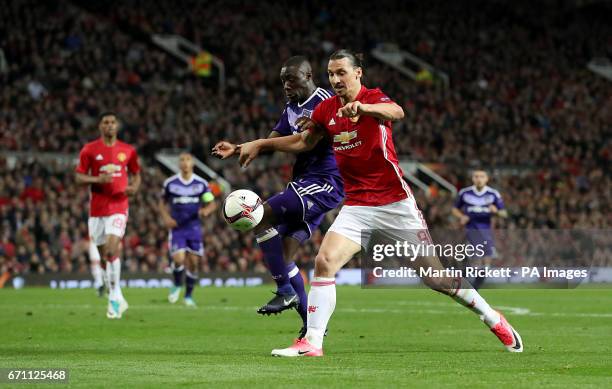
(186, 240)
(300, 208)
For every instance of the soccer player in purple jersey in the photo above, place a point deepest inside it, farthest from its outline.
(475, 207)
(291, 216)
(189, 198)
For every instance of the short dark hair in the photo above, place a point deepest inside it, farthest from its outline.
(108, 113)
(355, 58)
(296, 60)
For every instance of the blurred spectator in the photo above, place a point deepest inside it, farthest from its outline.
(520, 102)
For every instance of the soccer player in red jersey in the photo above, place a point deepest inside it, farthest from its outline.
(358, 121)
(104, 165)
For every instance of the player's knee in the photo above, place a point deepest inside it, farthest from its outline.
(325, 266)
(192, 263)
(111, 248)
(178, 262)
(178, 259)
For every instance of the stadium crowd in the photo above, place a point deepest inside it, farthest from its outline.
(521, 103)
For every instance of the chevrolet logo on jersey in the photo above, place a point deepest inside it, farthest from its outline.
(111, 168)
(345, 137)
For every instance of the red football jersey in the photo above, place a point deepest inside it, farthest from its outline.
(96, 158)
(364, 152)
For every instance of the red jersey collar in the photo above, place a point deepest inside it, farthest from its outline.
(362, 91)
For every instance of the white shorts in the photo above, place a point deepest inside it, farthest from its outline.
(100, 227)
(353, 221)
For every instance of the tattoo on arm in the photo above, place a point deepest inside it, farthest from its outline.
(312, 137)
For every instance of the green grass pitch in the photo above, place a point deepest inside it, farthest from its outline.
(377, 338)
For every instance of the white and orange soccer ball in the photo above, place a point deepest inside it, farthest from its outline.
(243, 209)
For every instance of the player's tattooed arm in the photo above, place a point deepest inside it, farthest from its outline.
(86, 179)
(311, 132)
(383, 111)
(297, 143)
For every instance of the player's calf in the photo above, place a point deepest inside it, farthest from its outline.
(460, 290)
(271, 245)
(297, 282)
(191, 278)
(178, 271)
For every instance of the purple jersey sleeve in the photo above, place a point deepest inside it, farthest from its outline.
(283, 127)
(499, 203)
(165, 194)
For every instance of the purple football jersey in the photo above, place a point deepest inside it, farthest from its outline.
(319, 162)
(185, 199)
(475, 204)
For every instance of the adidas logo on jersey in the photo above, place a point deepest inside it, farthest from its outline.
(99, 157)
(331, 122)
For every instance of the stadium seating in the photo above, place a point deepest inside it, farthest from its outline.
(538, 124)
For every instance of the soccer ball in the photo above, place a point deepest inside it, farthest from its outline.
(243, 210)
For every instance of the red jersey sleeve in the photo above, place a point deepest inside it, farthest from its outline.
(318, 115)
(376, 96)
(133, 163)
(84, 161)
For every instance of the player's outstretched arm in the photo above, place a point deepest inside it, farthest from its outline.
(298, 143)
(86, 179)
(383, 111)
(225, 149)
